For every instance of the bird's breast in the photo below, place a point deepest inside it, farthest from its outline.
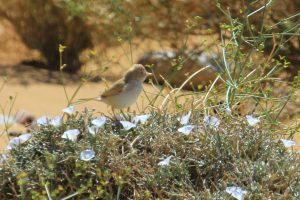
(127, 97)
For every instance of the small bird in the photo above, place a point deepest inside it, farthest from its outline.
(125, 91)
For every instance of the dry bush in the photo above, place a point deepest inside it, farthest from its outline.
(43, 25)
(126, 165)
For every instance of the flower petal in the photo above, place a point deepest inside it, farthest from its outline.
(185, 119)
(236, 192)
(93, 129)
(3, 157)
(141, 119)
(186, 130)
(13, 143)
(24, 137)
(99, 121)
(165, 162)
(252, 121)
(56, 121)
(87, 155)
(212, 121)
(71, 134)
(43, 121)
(127, 125)
(288, 143)
(70, 110)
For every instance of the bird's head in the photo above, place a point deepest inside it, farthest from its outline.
(136, 72)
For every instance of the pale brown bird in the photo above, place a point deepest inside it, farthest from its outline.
(125, 91)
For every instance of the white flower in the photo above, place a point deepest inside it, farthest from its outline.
(127, 125)
(212, 121)
(3, 157)
(186, 130)
(140, 119)
(13, 143)
(185, 119)
(252, 121)
(71, 134)
(288, 143)
(56, 121)
(24, 137)
(93, 129)
(70, 110)
(165, 162)
(43, 121)
(99, 121)
(87, 155)
(236, 192)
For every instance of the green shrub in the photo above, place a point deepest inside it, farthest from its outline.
(125, 166)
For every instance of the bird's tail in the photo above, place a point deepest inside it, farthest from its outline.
(83, 100)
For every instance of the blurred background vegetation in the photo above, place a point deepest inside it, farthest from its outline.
(84, 24)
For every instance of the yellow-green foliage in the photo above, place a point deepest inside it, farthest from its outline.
(125, 166)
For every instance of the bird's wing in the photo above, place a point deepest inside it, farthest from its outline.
(115, 89)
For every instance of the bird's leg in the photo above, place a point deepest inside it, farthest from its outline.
(124, 115)
(114, 114)
(117, 124)
(128, 114)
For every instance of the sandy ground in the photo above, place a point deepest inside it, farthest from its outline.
(41, 99)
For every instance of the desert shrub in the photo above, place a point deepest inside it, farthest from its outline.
(43, 25)
(126, 165)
